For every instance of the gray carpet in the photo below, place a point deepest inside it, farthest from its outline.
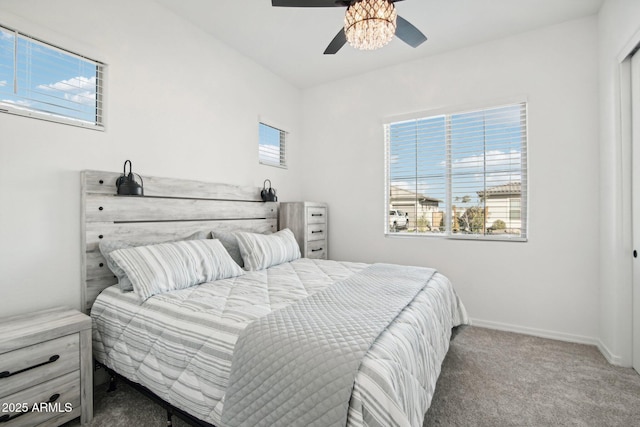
(489, 378)
(493, 378)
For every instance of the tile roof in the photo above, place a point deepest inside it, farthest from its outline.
(399, 192)
(509, 188)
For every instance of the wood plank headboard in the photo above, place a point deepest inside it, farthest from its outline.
(170, 210)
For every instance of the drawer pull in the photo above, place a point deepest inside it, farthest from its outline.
(316, 250)
(6, 417)
(316, 214)
(316, 231)
(7, 374)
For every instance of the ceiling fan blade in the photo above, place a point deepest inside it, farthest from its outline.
(307, 3)
(338, 41)
(409, 34)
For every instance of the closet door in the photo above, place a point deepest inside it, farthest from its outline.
(635, 109)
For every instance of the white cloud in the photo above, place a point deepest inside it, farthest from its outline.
(18, 103)
(493, 159)
(3, 83)
(81, 90)
(85, 98)
(477, 176)
(76, 84)
(5, 35)
(404, 185)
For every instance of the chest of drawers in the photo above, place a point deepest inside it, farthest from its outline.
(309, 223)
(45, 368)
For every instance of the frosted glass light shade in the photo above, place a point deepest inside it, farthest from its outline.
(370, 24)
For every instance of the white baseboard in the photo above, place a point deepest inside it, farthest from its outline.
(611, 358)
(560, 336)
(580, 339)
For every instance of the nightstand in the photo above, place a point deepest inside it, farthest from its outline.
(45, 368)
(309, 223)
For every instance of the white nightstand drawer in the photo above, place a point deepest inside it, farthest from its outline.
(317, 249)
(44, 354)
(61, 398)
(316, 215)
(26, 366)
(316, 232)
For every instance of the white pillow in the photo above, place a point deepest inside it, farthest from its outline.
(261, 251)
(156, 269)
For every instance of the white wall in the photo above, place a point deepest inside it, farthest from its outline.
(179, 104)
(618, 23)
(546, 286)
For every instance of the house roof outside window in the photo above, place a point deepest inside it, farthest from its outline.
(509, 189)
(399, 194)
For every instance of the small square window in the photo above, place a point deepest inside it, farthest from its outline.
(271, 146)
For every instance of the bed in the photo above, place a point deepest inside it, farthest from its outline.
(193, 348)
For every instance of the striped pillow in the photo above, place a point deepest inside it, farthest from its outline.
(261, 251)
(108, 246)
(156, 269)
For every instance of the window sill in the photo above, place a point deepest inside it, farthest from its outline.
(50, 118)
(482, 238)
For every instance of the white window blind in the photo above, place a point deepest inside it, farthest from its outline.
(272, 146)
(43, 81)
(459, 175)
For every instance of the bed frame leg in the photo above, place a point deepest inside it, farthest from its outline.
(169, 416)
(113, 384)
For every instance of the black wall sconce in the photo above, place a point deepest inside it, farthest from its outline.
(268, 194)
(126, 184)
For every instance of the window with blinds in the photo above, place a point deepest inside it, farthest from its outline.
(271, 146)
(43, 81)
(458, 175)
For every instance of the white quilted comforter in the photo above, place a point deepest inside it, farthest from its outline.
(180, 344)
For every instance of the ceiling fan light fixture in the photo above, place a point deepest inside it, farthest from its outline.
(370, 24)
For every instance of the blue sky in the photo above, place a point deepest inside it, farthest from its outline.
(49, 80)
(269, 140)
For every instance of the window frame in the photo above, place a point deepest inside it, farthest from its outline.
(447, 112)
(34, 113)
(282, 145)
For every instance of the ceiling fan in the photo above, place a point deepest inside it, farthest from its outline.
(369, 24)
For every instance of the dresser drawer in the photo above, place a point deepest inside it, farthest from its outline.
(316, 232)
(27, 366)
(58, 399)
(316, 215)
(317, 249)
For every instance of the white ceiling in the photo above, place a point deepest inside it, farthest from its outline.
(290, 41)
